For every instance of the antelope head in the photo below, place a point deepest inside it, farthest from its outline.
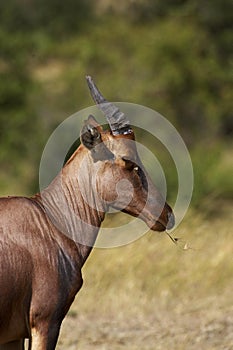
(122, 181)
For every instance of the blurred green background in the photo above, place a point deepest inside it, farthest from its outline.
(172, 56)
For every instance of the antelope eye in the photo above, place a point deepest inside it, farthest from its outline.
(130, 165)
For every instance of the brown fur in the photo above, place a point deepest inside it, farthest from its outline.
(43, 247)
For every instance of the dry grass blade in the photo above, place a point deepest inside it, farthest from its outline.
(177, 240)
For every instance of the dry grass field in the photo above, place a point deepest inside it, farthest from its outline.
(153, 295)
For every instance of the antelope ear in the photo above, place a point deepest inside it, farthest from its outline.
(91, 133)
(90, 136)
(91, 139)
(92, 121)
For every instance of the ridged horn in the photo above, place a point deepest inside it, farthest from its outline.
(116, 119)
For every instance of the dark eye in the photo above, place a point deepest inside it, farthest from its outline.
(129, 164)
(142, 176)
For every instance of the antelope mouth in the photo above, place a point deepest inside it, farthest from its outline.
(159, 225)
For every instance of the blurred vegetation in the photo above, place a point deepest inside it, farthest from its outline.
(152, 295)
(172, 56)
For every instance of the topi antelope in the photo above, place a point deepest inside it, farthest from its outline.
(46, 239)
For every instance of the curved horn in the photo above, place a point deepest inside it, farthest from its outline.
(116, 119)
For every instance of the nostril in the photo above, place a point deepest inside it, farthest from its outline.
(171, 220)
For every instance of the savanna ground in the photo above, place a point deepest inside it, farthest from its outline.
(154, 295)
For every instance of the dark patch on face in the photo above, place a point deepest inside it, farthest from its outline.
(137, 168)
(143, 178)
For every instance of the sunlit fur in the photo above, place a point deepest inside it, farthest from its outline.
(45, 239)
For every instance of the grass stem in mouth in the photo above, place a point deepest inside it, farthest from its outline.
(176, 240)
